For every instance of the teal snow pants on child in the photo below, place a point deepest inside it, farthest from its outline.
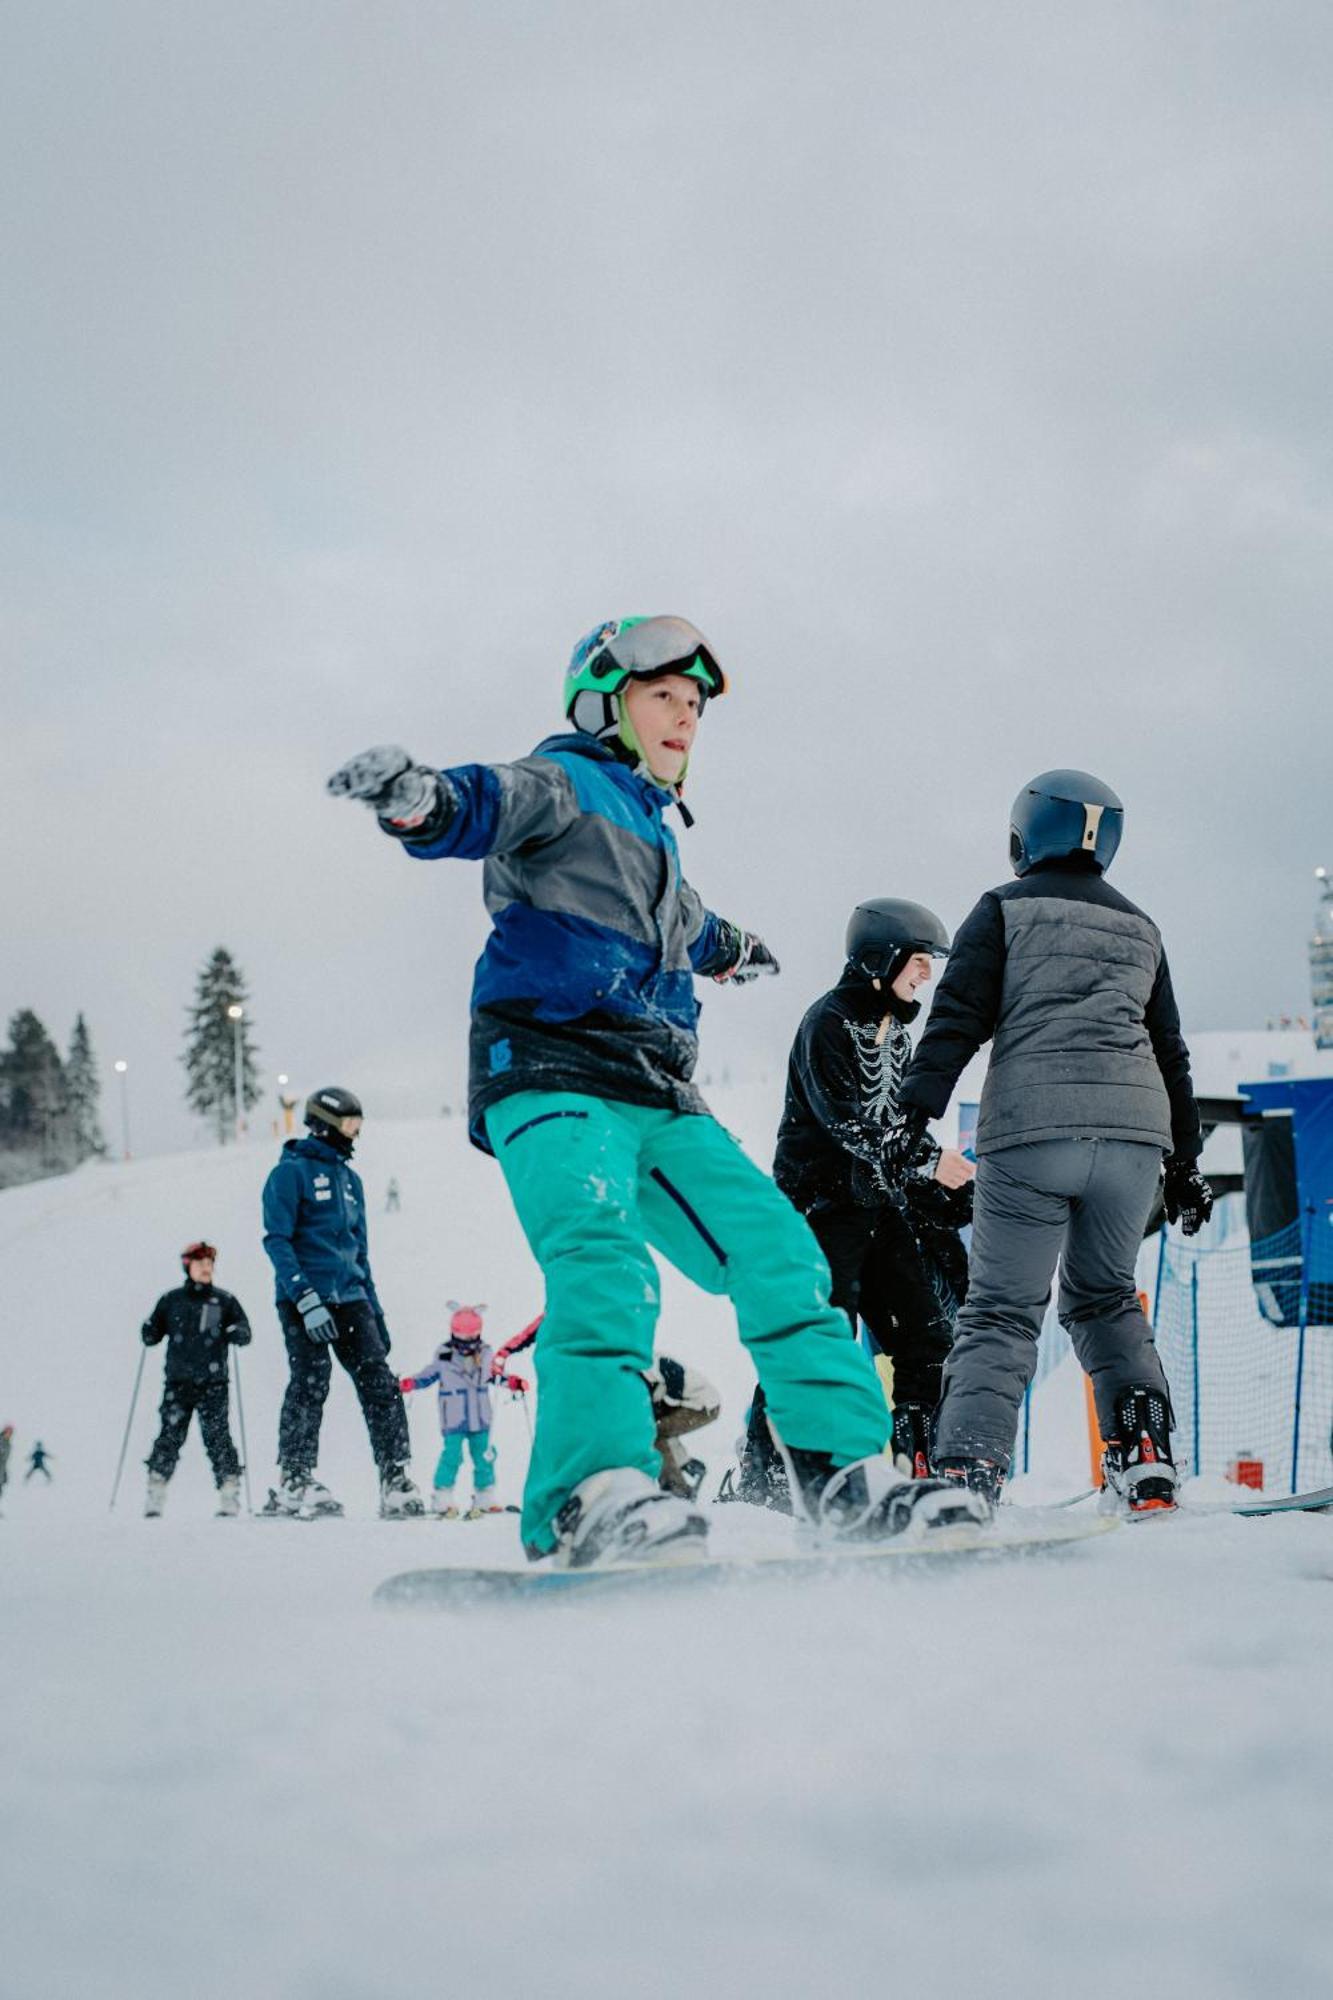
(595, 1182)
(451, 1457)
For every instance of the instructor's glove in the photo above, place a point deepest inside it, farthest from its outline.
(1187, 1195)
(410, 799)
(903, 1143)
(318, 1321)
(382, 1329)
(749, 957)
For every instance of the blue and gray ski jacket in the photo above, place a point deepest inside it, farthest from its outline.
(315, 1225)
(587, 980)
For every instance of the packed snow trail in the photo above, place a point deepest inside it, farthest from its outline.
(228, 1775)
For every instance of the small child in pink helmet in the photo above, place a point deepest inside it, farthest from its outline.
(461, 1369)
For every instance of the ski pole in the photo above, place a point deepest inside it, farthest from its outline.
(129, 1424)
(240, 1425)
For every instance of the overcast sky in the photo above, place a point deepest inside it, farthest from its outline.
(961, 370)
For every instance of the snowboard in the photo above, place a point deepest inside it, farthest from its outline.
(1319, 1500)
(460, 1589)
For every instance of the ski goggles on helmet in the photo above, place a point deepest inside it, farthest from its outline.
(198, 1253)
(642, 649)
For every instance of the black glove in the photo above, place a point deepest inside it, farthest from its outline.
(318, 1321)
(382, 1330)
(902, 1143)
(1187, 1195)
(749, 958)
(409, 798)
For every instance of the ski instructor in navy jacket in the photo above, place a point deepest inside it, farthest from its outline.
(315, 1236)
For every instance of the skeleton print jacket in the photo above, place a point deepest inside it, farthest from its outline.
(847, 1063)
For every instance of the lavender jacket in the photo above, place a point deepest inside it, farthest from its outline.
(464, 1388)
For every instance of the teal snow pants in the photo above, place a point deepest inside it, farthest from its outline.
(594, 1183)
(451, 1457)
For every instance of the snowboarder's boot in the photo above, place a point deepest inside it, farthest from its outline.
(623, 1516)
(484, 1502)
(980, 1475)
(1137, 1467)
(443, 1503)
(911, 1439)
(229, 1496)
(680, 1474)
(399, 1498)
(870, 1500)
(155, 1497)
(683, 1399)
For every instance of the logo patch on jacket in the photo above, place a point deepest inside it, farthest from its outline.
(502, 1057)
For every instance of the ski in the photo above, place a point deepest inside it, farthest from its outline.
(460, 1589)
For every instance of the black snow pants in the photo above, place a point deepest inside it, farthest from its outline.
(180, 1401)
(1081, 1202)
(879, 1279)
(361, 1352)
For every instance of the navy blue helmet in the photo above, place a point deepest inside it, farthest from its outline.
(1063, 813)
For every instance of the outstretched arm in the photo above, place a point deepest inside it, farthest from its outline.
(465, 812)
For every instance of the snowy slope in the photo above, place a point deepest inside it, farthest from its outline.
(228, 1776)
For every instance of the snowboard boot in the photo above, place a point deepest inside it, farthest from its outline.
(979, 1475)
(443, 1503)
(229, 1496)
(484, 1502)
(871, 1501)
(623, 1516)
(680, 1474)
(1137, 1467)
(911, 1439)
(399, 1499)
(156, 1496)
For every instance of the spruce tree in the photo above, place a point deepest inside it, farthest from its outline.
(35, 1121)
(84, 1089)
(210, 1047)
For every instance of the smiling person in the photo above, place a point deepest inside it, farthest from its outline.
(582, 1056)
(893, 1250)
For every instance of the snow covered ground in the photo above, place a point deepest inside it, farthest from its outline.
(226, 1774)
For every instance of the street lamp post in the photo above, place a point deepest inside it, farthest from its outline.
(236, 1014)
(122, 1071)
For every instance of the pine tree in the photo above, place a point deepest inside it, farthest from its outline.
(35, 1118)
(84, 1090)
(210, 1047)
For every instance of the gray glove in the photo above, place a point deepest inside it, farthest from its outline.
(405, 794)
(318, 1321)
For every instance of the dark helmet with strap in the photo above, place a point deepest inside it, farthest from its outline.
(325, 1109)
(1062, 814)
(884, 933)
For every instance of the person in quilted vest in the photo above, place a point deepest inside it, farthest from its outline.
(1087, 1093)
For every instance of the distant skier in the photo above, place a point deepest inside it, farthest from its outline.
(1088, 1086)
(461, 1369)
(315, 1236)
(392, 1202)
(583, 1049)
(39, 1460)
(6, 1445)
(683, 1401)
(897, 1263)
(200, 1324)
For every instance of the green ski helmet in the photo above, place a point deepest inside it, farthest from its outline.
(624, 649)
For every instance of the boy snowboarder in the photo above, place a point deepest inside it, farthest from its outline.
(582, 1051)
(200, 1324)
(463, 1372)
(315, 1236)
(847, 1062)
(1088, 1087)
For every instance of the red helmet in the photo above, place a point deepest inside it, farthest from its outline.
(193, 1251)
(465, 1326)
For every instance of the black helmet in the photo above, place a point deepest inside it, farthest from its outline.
(329, 1107)
(883, 934)
(1061, 814)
